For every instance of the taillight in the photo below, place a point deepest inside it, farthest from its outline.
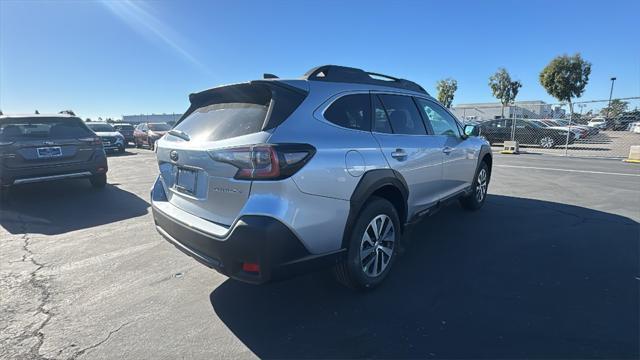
(265, 162)
(92, 140)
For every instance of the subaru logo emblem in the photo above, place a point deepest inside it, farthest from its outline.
(173, 155)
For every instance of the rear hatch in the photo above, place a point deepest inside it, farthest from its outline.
(199, 159)
(30, 142)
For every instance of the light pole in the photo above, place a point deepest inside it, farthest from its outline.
(613, 79)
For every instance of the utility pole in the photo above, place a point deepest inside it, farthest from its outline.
(613, 79)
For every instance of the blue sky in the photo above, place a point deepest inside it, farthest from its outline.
(112, 58)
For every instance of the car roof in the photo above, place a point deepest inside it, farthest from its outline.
(17, 116)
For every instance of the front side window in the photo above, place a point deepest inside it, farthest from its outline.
(402, 114)
(351, 111)
(441, 121)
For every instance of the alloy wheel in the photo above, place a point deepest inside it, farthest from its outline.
(546, 142)
(481, 186)
(377, 245)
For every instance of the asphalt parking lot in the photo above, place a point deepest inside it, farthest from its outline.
(548, 268)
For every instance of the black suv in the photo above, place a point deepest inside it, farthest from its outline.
(36, 148)
(526, 133)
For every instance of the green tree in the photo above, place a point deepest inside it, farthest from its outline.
(87, 119)
(503, 88)
(565, 78)
(37, 112)
(68, 112)
(615, 109)
(446, 90)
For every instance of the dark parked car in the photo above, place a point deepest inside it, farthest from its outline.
(149, 133)
(36, 148)
(112, 140)
(526, 133)
(126, 130)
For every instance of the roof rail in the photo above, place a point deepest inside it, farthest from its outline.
(336, 73)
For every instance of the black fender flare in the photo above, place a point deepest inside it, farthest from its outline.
(484, 150)
(370, 182)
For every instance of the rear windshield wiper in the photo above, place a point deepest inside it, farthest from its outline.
(181, 134)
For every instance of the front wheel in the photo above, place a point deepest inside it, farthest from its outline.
(476, 198)
(98, 180)
(547, 142)
(372, 247)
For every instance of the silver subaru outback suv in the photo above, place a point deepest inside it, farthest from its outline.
(271, 178)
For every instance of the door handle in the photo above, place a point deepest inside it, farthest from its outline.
(447, 149)
(399, 154)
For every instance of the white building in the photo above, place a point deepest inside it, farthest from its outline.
(536, 109)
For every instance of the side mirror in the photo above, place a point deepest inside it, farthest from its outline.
(471, 130)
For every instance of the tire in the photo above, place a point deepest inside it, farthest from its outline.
(136, 143)
(365, 273)
(121, 149)
(547, 142)
(150, 143)
(98, 181)
(476, 199)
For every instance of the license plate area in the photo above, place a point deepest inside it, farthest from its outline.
(49, 152)
(186, 180)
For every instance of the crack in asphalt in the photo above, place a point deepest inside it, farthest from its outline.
(41, 285)
(91, 347)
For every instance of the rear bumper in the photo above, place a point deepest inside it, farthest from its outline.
(11, 176)
(253, 239)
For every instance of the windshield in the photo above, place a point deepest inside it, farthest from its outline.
(123, 127)
(101, 127)
(41, 128)
(159, 127)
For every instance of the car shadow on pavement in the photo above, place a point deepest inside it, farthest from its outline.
(519, 278)
(62, 206)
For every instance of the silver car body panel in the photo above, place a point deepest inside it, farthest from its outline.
(314, 202)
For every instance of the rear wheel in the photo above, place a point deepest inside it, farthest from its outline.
(475, 200)
(98, 181)
(372, 247)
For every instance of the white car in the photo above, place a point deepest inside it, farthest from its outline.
(635, 127)
(600, 123)
(579, 134)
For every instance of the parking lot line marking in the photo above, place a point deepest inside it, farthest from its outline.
(567, 170)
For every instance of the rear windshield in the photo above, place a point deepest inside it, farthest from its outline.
(15, 129)
(223, 121)
(101, 127)
(159, 127)
(241, 109)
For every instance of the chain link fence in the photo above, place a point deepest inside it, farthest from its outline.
(597, 128)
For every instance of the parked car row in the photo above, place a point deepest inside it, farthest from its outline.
(546, 133)
(36, 148)
(623, 122)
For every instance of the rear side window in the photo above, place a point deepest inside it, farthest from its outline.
(403, 115)
(351, 111)
(17, 129)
